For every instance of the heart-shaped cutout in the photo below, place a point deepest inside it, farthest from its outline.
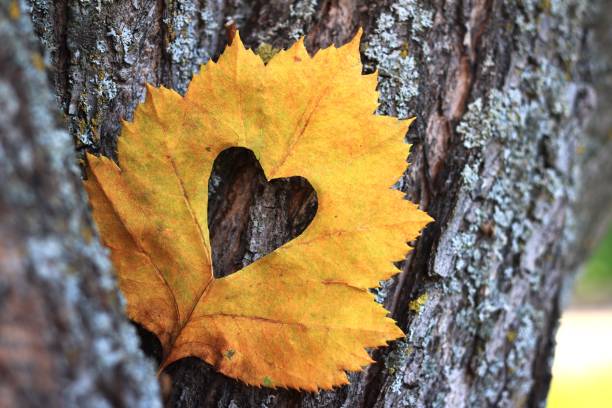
(249, 216)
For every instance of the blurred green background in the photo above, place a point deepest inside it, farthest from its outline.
(595, 286)
(582, 371)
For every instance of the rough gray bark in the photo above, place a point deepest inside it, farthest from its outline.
(63, 338)
(503, 159)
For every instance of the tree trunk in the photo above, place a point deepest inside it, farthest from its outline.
(64, 340)
(504, 158)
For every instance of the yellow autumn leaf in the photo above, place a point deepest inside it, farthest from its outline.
(302, 315)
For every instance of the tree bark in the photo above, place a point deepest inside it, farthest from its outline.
(504, 158)
(64, 340)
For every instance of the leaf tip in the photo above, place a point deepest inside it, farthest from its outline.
(359, 33)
